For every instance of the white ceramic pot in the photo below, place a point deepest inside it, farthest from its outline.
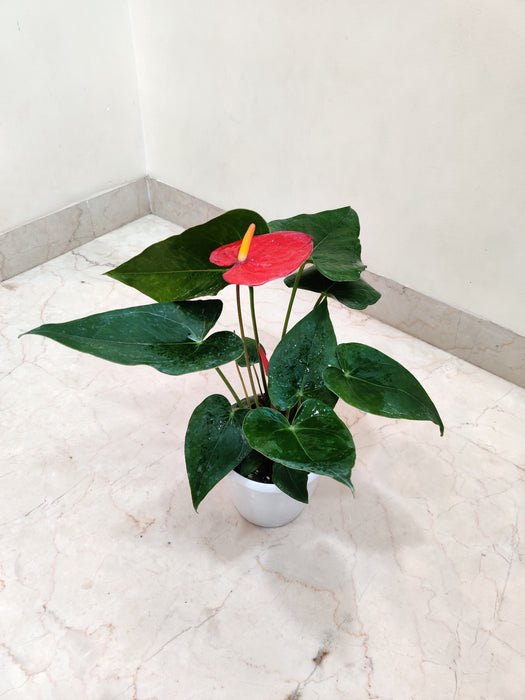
(265, 504)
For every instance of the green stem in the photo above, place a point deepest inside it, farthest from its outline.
(248, 402)
(243, 337)
(261, 392)
(257, 342)
(237, 399)
(292, 297)
(321, 298)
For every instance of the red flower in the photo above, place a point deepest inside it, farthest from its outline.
(264, 359)
(267, 257)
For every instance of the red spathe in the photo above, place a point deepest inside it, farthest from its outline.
(271, 256)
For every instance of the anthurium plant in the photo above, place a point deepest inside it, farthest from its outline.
(277, 422)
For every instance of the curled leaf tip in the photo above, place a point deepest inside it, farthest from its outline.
(246, 242)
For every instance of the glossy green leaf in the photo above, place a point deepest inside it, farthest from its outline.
(214, 445)
(291, 481)
(337, 250)
(316, 441)
(166, 336)
(296, 366)
(250, 463)
(253, 353)
(355, 295)
(376, 383)
(216, 350)
(179, 267)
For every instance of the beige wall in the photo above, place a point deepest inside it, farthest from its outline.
(69, 117)
(412, 112)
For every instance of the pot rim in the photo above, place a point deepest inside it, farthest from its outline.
(259, 486)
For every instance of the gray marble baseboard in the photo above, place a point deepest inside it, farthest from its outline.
(179, 207)
(476, 340)
(43, 239)
(480, 342)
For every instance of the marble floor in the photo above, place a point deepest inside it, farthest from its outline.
(111, 586)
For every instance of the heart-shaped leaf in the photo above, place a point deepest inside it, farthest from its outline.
(296, 367)
(216, 350)
(337, 251)
(254, 460)
(214, 445)
(179, 267)
(253, 353)
(166, 336)
(292, 482)
(355, 295)
(316, 441)
(376, 383)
